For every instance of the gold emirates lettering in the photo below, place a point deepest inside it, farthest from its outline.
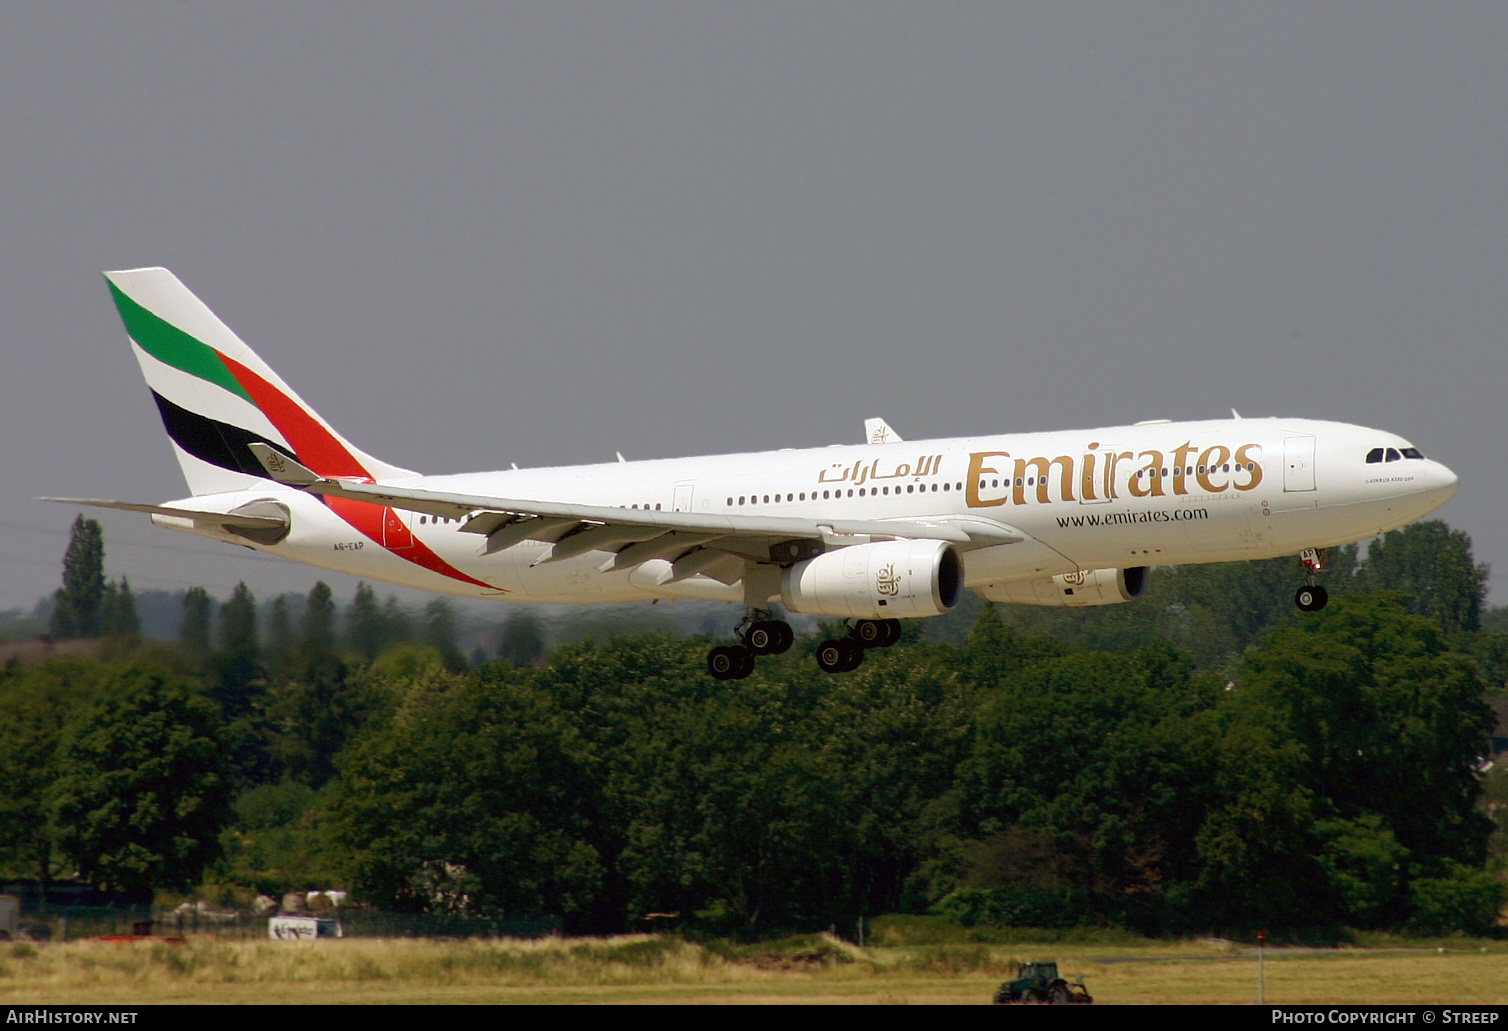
(1110, 475)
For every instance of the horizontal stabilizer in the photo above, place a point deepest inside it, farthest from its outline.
(231, 519)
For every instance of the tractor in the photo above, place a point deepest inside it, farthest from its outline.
(1039, 983)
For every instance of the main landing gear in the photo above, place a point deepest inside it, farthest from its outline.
(760, 635)
(1312, 597)
(845, 654)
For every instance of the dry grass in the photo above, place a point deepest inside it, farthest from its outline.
(649, 969)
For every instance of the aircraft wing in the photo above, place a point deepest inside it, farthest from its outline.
(575, 529)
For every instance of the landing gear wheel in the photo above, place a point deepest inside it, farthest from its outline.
(840, 655)
(877, 633)
(1311, 599)
(770, 637)
(730, 662)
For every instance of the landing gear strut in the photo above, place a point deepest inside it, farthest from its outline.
(1312, 597)
(845, 654)
(760, 635)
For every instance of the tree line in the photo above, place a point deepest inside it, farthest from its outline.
(1028, 768)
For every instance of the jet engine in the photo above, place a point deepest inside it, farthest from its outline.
(884, 580)
(1072, 590)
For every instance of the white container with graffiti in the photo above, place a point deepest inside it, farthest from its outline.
(303, 928)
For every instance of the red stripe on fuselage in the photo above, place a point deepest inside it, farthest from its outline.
(322, 451)
(369, 519)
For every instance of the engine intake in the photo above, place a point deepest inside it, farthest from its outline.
(885, 580)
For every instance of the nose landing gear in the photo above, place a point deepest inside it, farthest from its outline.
(1312, 597)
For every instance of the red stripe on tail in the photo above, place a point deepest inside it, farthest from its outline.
(320, 450)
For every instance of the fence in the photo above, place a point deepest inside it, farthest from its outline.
(76, 923)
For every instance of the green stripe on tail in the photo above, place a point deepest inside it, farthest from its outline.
(172, 346)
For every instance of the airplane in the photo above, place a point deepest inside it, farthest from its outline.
(869, 534)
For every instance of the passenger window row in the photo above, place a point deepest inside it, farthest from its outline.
(769, 499)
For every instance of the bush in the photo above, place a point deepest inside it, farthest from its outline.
(1465, 899)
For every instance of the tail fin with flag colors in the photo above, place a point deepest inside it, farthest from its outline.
(216, 396)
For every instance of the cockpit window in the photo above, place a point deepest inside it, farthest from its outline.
(1392, 454)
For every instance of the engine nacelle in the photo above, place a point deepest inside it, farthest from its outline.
(885, 580)
(1072, 590)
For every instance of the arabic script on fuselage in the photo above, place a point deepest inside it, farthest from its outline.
(1000, 478)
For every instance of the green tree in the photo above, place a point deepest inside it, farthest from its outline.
(317, 628)
(365, 633)
(1348, 769)
(275, 842)
(142, 788)
(312, 712)
(996, 650)
(314, 706)
(76, 612)
(1432, 564)
(238, 661)
(396, 624)
(118, 616)
(1364, 867)
(1391, 719)
(789, 799)
(194, 635)
(469, 797)
(279, 650)
(523, 638)
(37, 701)
(1087, 781)
(440, 633)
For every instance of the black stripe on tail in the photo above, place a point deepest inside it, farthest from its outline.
(218, 443)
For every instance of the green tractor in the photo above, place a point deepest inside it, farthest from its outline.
(1038, 983)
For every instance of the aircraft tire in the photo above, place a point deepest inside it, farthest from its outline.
(870, 633)
(839, 655)
(770, 637)
(1311, 599)
(724, 661)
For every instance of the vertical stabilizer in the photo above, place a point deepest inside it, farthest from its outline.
(216, 396)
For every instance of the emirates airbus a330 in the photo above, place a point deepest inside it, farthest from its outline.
(870, 533)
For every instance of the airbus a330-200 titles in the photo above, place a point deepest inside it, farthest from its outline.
(870, 534)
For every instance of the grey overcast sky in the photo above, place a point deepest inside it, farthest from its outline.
(473, 234)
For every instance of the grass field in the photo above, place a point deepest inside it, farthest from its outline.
(649, 969)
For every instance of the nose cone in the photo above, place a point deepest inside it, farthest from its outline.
(1439, 485)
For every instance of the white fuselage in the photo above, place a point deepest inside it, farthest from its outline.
(1120, 497)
